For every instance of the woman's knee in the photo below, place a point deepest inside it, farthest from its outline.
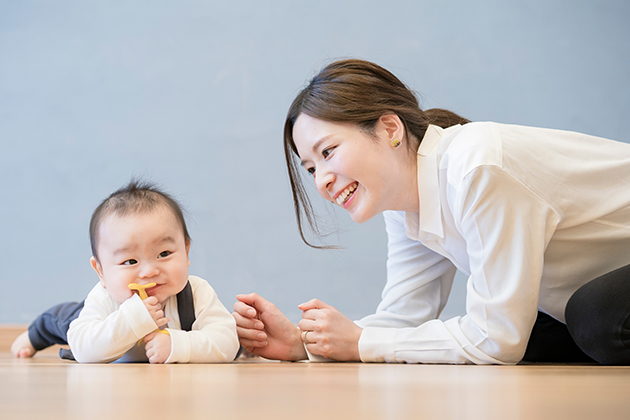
(598, 317)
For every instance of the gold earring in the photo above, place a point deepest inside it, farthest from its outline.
(395, 143)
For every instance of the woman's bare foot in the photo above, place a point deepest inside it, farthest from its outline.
(22, 346)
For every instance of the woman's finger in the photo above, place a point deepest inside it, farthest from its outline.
(307, 324)
(309, 337)
(250, 323)
(251, 344)
(313, 304)
(244, 309)
(255, 335)
(257, 302)
(312, 314)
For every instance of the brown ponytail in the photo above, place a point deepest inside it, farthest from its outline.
(359, 92)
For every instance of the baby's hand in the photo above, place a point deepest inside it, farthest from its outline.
(157, 347)
(155, 310)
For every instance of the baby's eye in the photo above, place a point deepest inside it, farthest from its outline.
(164, 254)
(130, 262)
(311, 171)
(327, 152)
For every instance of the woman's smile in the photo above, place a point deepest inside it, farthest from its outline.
(343, 198)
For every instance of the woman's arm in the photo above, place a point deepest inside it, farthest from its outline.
(419, 280)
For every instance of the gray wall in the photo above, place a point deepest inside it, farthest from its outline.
(193, 94)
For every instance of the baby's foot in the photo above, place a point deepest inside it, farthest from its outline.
(22, 346)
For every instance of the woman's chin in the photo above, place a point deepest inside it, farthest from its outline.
(360, 217)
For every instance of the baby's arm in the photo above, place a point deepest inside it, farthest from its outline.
(213, 338)
(105, 331)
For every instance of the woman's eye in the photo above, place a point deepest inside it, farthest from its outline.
(164, 254)
(130, 262)
(311, 171)
(327, 152)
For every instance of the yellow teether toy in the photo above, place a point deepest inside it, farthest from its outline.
(143, 295)
(141, 289)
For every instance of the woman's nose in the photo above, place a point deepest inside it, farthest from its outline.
(323, 182)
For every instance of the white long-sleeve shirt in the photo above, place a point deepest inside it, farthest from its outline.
(107, 330)
(529, 214)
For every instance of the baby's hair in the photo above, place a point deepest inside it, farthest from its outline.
(135, 197)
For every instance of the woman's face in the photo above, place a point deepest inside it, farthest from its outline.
(350, 167)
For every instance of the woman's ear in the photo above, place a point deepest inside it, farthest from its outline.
(392, 126)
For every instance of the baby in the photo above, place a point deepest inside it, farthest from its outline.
(139, 236)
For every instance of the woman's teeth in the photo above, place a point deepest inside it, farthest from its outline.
(345, 194)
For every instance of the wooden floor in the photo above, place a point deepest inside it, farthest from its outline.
(46, 387)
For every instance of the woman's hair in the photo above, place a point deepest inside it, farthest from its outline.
(135, 197)
(358, 92)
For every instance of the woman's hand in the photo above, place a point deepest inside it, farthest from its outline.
(264, 331)
(330, 333)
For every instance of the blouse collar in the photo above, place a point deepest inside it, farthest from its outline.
(429, 217)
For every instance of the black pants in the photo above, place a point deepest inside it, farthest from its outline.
(597, 325)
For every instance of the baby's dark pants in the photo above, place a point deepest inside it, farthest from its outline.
(51, 327)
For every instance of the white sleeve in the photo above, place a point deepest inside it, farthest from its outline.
(418, 280)
(104, 330)
(213, 338)
(506, 228)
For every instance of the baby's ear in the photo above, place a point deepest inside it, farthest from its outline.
(97, 267)
(187, 251)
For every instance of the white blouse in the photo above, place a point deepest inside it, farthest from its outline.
(529, 214)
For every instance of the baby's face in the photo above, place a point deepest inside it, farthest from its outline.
(142, 248)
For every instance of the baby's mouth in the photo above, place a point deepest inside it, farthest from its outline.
(346, 194)
(152, 290)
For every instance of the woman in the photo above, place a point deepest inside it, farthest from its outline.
(539, 219)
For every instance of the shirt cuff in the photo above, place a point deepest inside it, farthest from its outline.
(376, 344)
(317, 358)
(181, 347)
